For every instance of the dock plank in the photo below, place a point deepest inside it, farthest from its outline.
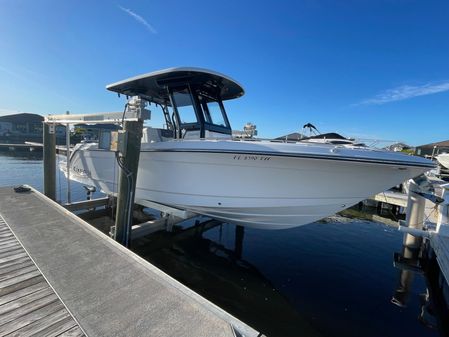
(20, 278)
(51, 325)
(14, 262)
(13, 257)
(6, 239)
(7, 247)
(15, 266)
(24, 300)
(11, 251)
(18, 272)
(20, 285)
(19, 321)
(7, 243)
(31, 307)
(22, 292)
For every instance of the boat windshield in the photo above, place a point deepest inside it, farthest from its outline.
(184, 105)
(198, 113)
(216, 115)
(213, 112)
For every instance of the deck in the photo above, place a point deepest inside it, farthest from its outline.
(28, 305)
(76, 274)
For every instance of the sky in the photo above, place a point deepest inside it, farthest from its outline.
(374, 69)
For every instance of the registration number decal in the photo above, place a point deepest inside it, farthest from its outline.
(251, 157)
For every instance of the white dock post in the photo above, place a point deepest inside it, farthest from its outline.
(443, 212)
(414, 219)
(415, 215)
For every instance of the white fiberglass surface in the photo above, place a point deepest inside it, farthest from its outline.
(275, 191)
(329, 150)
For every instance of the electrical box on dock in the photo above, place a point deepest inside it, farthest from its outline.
(119, 141)
(114, 141)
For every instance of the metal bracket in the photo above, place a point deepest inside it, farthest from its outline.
(183, 214)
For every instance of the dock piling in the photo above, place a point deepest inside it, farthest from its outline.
(67, 141)
(415, 215)
(127, 181)
(49, 138)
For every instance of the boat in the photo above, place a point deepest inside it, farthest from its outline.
(443, 159)
(332, 138)
(194, 164)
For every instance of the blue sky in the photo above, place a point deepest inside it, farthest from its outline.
(368, 68)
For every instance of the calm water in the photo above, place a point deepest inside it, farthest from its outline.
(327, 279)
(26, 168)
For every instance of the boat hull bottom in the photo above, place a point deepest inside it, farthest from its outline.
(272, 218)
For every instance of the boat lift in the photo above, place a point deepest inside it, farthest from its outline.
(127, 146)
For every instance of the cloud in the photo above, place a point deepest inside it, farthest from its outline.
(407, 91)
(139, 19)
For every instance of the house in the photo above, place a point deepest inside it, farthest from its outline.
(22, 127)
(5, 128)
(292, 137)
(398, 147)
(26, 124)
(432, 148)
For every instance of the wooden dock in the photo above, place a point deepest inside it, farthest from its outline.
(28, 305)
(61, 277)
(30, 147)
(20, 147)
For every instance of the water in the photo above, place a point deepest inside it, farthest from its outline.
(327, 279)
(27, 168)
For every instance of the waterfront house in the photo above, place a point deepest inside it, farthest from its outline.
(398, 147)
(432, 148)
(21, 124)
(21, 127)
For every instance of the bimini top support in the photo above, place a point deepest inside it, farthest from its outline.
(153, 86)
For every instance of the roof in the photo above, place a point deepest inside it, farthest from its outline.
(153, 86)
(439, 144)
(22, 118)
(295, 136)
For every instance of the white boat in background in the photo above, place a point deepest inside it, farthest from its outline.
(332, 138)
(194, 163)
(443, 159)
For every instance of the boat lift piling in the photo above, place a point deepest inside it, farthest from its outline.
(67, 141)
(132, 135)
(49, 138)
(414, 217)
(408, 260)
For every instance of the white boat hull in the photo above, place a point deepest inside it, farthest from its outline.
(257, 190)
